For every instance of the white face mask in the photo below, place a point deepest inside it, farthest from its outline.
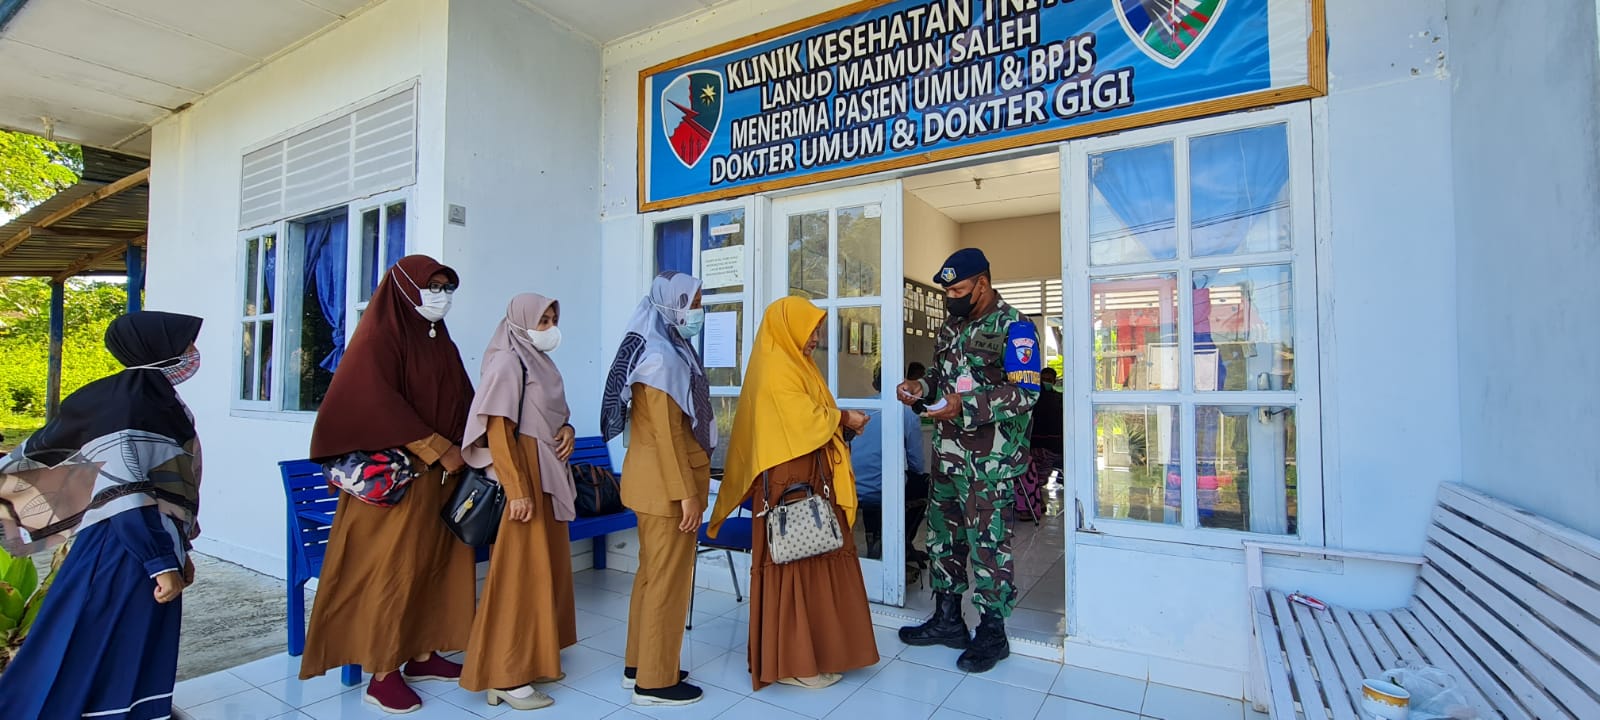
(545, 341)
(435, 305)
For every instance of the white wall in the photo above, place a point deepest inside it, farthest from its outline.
(1021, 248)
(194, 211)
(930, 237)
(522, 152)
(1527, 221)
(1389, 368)
(523, 147)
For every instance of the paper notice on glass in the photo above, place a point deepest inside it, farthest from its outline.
(721, 337)
(722, 267)
(1205, 370)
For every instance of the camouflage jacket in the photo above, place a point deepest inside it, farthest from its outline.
(993, 363)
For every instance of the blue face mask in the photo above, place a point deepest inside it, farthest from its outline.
(694, 321)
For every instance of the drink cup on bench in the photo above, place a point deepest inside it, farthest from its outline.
(1385, 700)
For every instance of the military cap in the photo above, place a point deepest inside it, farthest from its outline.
(963, 264)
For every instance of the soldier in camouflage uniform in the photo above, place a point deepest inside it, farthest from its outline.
(981, 389)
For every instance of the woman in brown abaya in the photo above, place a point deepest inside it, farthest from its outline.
(396, 586)
(809, 620)
(518, 430)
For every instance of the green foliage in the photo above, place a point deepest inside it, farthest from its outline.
(25, 342)
(22, 593)
(33, 168)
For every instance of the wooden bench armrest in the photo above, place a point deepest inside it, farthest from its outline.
(1253, 552)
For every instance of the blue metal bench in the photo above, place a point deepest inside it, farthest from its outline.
(310, 519)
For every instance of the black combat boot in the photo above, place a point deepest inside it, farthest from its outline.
(989, 646)
(946, 627)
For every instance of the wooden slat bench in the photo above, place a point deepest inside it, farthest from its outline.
(1506, 601)
(310, 519)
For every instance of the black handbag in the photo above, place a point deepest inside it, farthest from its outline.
(599, 493)
(474, 511)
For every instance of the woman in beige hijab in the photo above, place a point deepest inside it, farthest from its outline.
(518, 430)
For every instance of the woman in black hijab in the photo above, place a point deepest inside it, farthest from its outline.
(118, 469)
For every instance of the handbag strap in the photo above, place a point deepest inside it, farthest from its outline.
(817, 466)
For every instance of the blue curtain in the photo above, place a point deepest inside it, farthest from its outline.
(1139, 185)
(1236, 176)
(271, 279)
(675, 246)
(394, 238)
(324, 272)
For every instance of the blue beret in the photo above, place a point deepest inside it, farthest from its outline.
(960, 266)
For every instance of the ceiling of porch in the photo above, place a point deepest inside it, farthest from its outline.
(102, 72)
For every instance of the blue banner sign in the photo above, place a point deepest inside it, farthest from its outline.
(880, 85)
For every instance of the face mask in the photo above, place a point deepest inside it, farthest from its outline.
(545, 341)
(958, 307)
(188, 364)
(694, 321)
(435, 303)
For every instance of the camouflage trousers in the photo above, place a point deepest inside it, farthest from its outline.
(969, 517)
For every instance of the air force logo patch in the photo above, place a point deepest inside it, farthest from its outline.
(1024, 349)
(948, 275)
(1168, 31)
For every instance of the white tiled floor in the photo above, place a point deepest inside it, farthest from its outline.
(918, 683)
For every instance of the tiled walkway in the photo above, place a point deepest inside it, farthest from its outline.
(918, 683)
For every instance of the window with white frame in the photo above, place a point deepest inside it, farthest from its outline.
(710, 243)
(1196, 241)
(327, 214)
(259, 257)
(327, 279)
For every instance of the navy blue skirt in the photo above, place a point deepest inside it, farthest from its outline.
(101, 645)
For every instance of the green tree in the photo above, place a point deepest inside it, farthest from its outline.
(33, 168)
(25, 345)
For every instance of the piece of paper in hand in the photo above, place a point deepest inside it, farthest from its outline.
(936, 407)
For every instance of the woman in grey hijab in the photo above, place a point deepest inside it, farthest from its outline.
(657, 392)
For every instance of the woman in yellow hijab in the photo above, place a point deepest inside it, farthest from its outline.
(809, 620)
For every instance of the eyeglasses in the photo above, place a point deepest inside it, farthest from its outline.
(444, 287)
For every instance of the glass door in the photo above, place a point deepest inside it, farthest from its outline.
(841, 250)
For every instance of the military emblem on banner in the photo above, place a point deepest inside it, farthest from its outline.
(1168, 30)
(691, 110)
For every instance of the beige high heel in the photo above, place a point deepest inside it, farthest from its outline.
(532, 702)
(815, 682)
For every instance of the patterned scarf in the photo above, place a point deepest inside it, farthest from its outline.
(655, 354)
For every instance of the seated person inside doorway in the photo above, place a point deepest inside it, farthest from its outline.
(866, 456)
(1046, 446)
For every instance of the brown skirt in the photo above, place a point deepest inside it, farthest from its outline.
(809, 616)
(395, 584)
(526, 615)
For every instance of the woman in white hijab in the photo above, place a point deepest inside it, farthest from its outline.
(657, 392)
(518, 431)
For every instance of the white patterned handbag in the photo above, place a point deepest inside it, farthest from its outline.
(806, 526)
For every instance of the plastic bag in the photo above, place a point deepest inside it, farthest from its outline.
(1435, 694)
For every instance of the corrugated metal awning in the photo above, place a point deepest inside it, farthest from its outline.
(83, 230)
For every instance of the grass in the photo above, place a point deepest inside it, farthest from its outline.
(16, 428)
